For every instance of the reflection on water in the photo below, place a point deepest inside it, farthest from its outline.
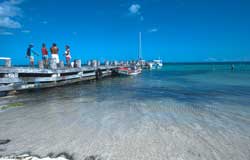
(173, 113)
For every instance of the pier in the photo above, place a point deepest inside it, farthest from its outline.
(14, 79)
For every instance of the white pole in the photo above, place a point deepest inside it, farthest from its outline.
(140, 47)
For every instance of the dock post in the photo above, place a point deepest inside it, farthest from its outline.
(89, 63)
(94, 64)
(121, 63)
(98, 74)
(8, 62)
(78, 63)
(53, 64)
(61, 64)
(98, 63)
(106, 63)
(40, 64)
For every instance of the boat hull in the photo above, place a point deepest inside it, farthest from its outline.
(129, 72)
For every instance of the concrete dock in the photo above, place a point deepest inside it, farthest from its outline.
(22, 78)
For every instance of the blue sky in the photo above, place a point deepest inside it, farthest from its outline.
(175, 30)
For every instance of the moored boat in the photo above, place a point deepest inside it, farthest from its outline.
(155, 64)
(129, 71)
(158, 63)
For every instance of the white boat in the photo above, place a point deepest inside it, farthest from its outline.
(129, 71)
(158, 63)
(155, 64)
(150, 65)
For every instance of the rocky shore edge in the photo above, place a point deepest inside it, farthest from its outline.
(51, 156)
(30, 157)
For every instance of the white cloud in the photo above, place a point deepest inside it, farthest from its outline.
(9, 10)
(134, 9)
(6, 22)
(26, 31)
(6, 33)
(16, 1)
(153, 30)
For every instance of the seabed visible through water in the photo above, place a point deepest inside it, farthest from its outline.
(176, 113)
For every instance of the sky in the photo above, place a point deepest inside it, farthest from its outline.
(174, 30)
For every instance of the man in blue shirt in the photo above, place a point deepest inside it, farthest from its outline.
(30, 54)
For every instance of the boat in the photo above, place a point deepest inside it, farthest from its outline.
(129, 71)
(155, 64)
(150, 65)
(136, 67)
(158, 63)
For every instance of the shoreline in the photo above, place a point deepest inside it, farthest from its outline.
(29, 156)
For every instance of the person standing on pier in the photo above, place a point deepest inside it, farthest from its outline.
(54, 52)
(45, 55)
(30, 54)
(67, 55)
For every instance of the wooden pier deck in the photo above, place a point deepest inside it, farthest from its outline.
(23, 78)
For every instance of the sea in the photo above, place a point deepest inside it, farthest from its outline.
(191, 111)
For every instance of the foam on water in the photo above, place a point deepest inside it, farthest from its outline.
(166, 114)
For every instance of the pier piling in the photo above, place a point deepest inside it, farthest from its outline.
(127, 63)
(106, 63)
(78, 63)
(53, 64)
(61, 64)
(89, 63)
(94, 63)
(40, 65)
(7, 62)
(98, 63)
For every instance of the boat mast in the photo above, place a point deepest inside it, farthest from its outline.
(139, 49)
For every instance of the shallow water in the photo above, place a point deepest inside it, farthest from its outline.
(178, 112)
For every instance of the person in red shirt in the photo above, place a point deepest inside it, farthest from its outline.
(45, 55)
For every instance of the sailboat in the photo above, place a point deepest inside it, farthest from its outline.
(133, 69)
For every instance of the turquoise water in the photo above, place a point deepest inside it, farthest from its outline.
(195, 111)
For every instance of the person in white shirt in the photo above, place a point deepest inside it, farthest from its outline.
(67, 55)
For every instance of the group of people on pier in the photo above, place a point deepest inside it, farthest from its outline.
(45, 54)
